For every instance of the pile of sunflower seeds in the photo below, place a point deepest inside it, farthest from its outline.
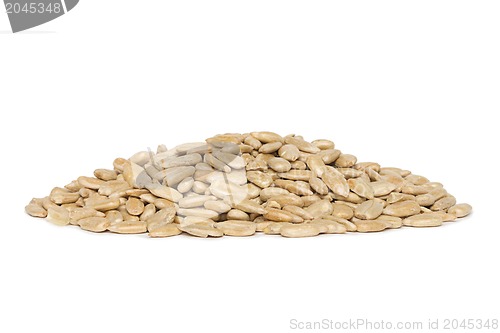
(240, 184)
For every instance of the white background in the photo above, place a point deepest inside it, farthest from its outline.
(413, 84)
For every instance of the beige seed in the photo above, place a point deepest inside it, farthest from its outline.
(288, 200)
(402, 209)
(36, 210)
(89, 182)
(320, 209)
(300, 230)
(414, 189)
(164, 192)
(74, 186)
(135, 192)
(261, 225)
(246, 148)
(269, 192)
(252, 142)
(135, 175)
(397, 197)
(102, 204)
(298, 165)
(113, 216)
(302, 144)
(63, 196)
(222, 139)
(216, 163)
(256, 165)
(423, 220)
(392, 221)
(460, 210)
(94, 224)
(281, 216)
(237, 228)
(371, 226)
(274, 228)
(173, 176)
(108, 188)
(308, 200)
(366, 165)
(289, 152)
(318, 185)
(295, 187)
(303, 175)
(253, 191)
(297, 211)
(234, 161)
(350, 173)
(373, 175)
(129, 227)
(397, 180)
(351, 198)
(342, 211)
(331, 227)
(161, 148)
(125, 214)
(165, 230)
(425, 199)
(381, 188)
(79, 213)
(185, 185)
(361, 188)
(369, 210)
(134, 206)
(323, 144)
(417, 180)
(200, 212)
(335, 182)
(179, 161)
(228, 191)
(349, 226)
(195, 201)
(105, 174)
(217, 206)
(329, 156)
(279, 164)
(388, 170)
(267, 137)
(58, 215)
(236, 214)
(444, 203)
(270, 147)
(193, 219)
(259, 178)
(272, 204)
(202, 230)
(345, 161)
(250, 207)
(140, 158)
(119, 164)
(438, 193)
(163, 216)
(446, 217)
(316, 164)
(161, 203)
(199, 187)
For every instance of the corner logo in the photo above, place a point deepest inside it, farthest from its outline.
(26, 14)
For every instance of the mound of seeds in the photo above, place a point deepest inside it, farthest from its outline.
(240, 184)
